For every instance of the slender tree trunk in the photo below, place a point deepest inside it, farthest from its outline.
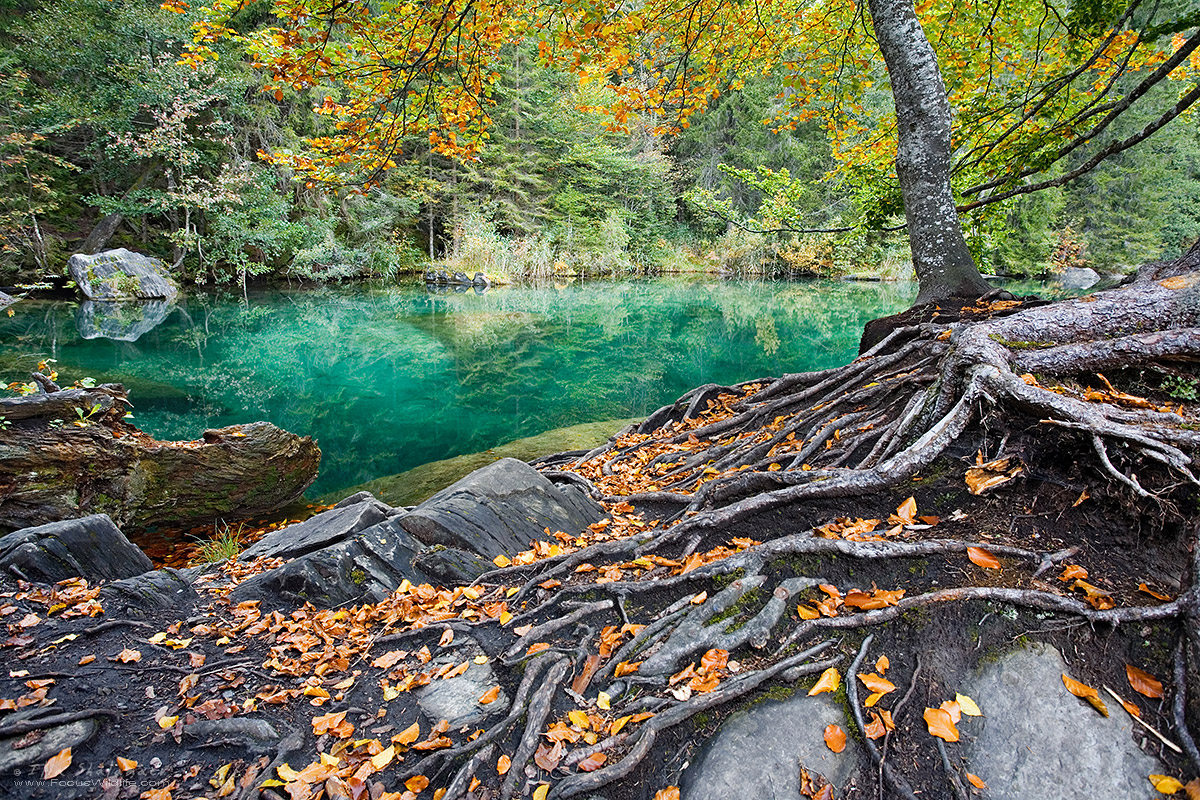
(942, 261)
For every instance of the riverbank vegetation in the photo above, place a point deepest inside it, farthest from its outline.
(116, 133)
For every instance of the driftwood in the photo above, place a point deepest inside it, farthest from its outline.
(69, 453)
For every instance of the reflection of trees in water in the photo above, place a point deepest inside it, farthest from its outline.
(390, 378)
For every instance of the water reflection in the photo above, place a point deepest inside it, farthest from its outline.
(124, 321)
(389, 378)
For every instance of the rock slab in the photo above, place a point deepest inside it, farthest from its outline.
(122, 275)
(1035, 739)
(320, 531)
(91, 547)
(500, 510)
(758, 752)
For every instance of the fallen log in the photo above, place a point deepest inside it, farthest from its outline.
(70, 453)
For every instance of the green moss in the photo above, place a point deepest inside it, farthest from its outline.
(739, 611)
(1012, 344)
(722, 581)
(358, 576)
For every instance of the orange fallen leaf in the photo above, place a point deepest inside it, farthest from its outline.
(835, 738)
(876, 683)
(490, 695)
(128, 655)
(828, 682)
(952, 708)
(1142, 587)
(503, 764)
(537, 647)
(1095, 596)
(626, 668)
(1143, 682)
(447, 637)
(882, 664)
(126, 764)
(714, 659)
(592, 762)
(1072, 572)
(1166, 784)
(976, 781)
(1085, 692)
(408, 735)
(983, 558)
(56, 764)
(416, 784)
(86, 660)
(940, 724)
(669, 793)
(875, 728)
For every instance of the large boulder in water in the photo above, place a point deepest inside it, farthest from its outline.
(91, 547)
(499, 510)
(122, 275)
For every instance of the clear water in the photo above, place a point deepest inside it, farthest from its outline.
(389, 378)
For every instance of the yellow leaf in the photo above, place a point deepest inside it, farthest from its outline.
(502, 561)
(828, 682)
(56, 764)
(166, 723)
(416, 784)
(1166, 784)
(481, 659)
(505, 617)
(967, 705)
(438, 794)
(618, 723)
(807, 612)
(603, 701)
(579, 719)
(541, 791)
(286, 773)
(126, 764)
(384, 757)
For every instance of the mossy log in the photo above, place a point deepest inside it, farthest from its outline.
(69, 453)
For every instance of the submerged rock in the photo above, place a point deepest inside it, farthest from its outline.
(1036, 739)
(91, 547)
(499, 510)
(122, 275)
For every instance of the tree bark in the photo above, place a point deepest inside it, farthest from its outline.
(943, 263)
(52, 468)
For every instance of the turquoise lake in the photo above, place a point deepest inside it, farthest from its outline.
(388, 378)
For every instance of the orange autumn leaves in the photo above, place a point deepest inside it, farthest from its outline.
(857, 599)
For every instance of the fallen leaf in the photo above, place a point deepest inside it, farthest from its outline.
(408, 735)
(828, 682)
(603, 701)
(128, 655)
(503, 764)
(617, 724)
(976, 781)
(940, 724)
(490, 695)
(1143, 682)
(502, 561)
(416, 783)
(907, 511)
(699, 599)
(86, 660)
(1072, 572)
(166, 723)
(1085, 692)
(548, 756)
(541, 791)
(875, 728)
(983, 558)
(1142, 587)
(447, 637)
(126, 764)
(714, 659)
(56, 764)
(626, 668)
(537, 647)
(1096, 597)
(807, 612)
(669, 793)
(876, 683)
(882, 664)
(967, 705)
(953, 709)
(579, 719)
(835, 738)
(1166, 784)
(592, 762)
(384, 757)
(982, 477)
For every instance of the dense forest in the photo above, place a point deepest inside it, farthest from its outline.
(110, 136)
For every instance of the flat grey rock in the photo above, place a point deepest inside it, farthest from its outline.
(1038, 740)
(325, 529)
(71, 735)
(364, 568)
(457, 700)
(143, 594)
(757, 753)
(124, 321)
(122, 275)
(90, 547)
(499, 510)
(451, 566)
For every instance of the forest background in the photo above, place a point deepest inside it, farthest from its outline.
(107, 139)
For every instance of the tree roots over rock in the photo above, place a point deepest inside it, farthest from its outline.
(763, 533)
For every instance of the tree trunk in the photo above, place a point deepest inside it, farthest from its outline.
(942, 261)
(101, 234)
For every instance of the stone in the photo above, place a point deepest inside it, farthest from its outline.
(758, 752)
(90, 547)
(364, 568)
(121, 275)
(1036, 739)
(14, 758)
(451, 566)
(143, 594)
(324, 529)
(120, 321)
(457, 700)
(499, 510)
(1078, 277)
(255, 735)
(6, 300)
